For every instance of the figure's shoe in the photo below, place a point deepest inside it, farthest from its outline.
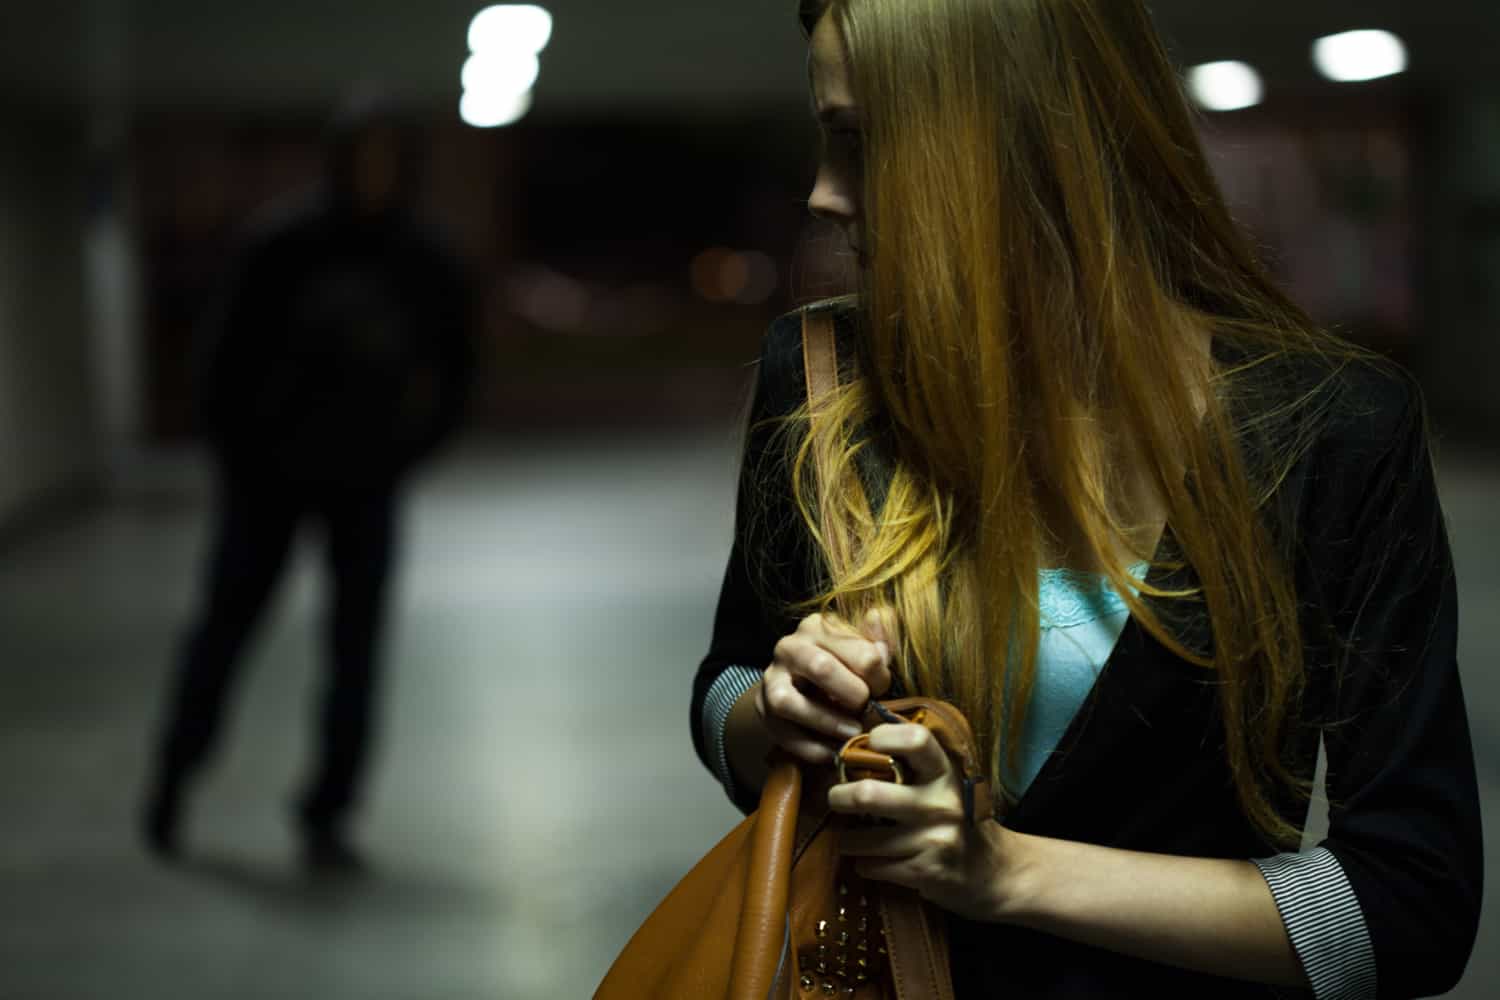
(325, 852)
(161, 821)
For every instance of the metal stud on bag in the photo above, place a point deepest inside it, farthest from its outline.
(850, 963)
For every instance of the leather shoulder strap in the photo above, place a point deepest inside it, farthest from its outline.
(820, 357)
(916, 932)
(917, 935)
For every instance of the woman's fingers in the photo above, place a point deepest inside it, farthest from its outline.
(809, 659)
(866, 658)
(781, 700)
(926, 797)
(904, 805)
(819, 681)
(799, 742)
(880, 629)
(925, 758)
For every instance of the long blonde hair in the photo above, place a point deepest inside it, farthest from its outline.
(1043, 236)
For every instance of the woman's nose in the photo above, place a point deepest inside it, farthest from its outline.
(831, 199)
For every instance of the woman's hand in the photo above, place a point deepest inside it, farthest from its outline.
(819, 682)
(930, 847)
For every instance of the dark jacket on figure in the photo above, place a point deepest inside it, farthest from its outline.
(1141, 766)
(340, 353)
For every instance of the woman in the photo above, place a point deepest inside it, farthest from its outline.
(1091, 477)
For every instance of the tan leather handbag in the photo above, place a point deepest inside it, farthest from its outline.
(774, 912)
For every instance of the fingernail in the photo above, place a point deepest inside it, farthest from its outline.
(849, 730)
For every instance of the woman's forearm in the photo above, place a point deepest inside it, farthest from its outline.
(1207, 914)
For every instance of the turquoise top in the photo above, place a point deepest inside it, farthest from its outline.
(1082, 617)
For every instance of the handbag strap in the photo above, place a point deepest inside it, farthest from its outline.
(916, 942)
(820, 355)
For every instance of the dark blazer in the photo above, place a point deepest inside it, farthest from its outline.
(1142, 765)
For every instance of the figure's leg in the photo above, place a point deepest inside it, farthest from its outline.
(360, 535)
(253, 533)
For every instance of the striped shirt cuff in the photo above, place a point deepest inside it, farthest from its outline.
(722, 695)
(1324, 921)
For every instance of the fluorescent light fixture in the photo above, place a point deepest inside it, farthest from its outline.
(1359, 55)
(482, 109)
(1225, 86)
(510, 28)
(500, 73)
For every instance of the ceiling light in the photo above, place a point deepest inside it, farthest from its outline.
(500, 73)
(510, 28)
(484, 109)
(1225, 86)
(1359, 55)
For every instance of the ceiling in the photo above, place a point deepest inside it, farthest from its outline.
(605, 54)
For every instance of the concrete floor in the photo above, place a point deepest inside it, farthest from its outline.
(535, 794)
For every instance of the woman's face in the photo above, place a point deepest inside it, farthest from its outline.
(836, 191)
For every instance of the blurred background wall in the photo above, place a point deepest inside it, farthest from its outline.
(48, 427)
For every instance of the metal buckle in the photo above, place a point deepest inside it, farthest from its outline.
(893, 763)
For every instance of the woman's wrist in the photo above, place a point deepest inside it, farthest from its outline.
(1016, 876)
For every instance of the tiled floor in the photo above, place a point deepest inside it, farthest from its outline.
(535, 793)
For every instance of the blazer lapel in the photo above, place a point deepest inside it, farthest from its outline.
(1139, 691)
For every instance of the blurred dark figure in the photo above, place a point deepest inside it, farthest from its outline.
(337, 360)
